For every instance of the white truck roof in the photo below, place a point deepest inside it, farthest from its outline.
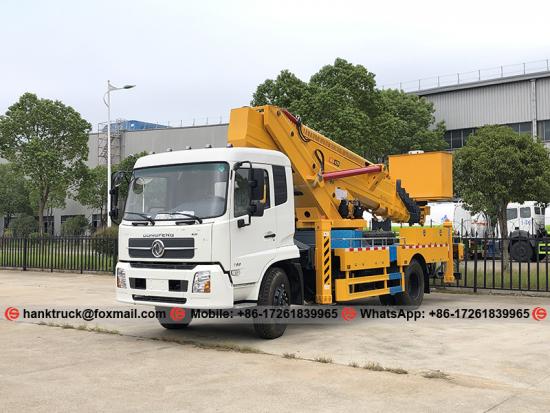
(214, 154)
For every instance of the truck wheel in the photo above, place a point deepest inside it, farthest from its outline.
(169, 323)
(521, 251)
(274, 291)
(414, 286)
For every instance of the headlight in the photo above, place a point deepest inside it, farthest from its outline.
(201, 282)
(120, 278)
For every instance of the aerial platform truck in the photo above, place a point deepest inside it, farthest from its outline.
(277, 218)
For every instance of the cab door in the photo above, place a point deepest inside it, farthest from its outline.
(253, 239)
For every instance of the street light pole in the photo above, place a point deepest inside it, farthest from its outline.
(107, 102)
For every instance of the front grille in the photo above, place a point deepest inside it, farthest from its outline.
(173, 247)
(163, 265)
(155, 299)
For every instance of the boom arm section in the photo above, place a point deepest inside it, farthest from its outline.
(330, 181)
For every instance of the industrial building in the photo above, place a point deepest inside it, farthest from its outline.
(517, 96)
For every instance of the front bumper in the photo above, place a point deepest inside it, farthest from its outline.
(156, 289)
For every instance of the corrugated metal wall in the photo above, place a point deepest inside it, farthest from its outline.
(543, 99)
(495, 104)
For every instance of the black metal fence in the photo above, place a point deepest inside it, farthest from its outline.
(77, 254)
(524, 268)
(484, 265)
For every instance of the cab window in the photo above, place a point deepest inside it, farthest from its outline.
(525, 212)
(511, 213)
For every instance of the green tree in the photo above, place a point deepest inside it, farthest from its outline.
(342, 102)
(23, 226)
(498, 166)
(14, 195)
(406, 122)
(75, 226)
(47, 142)
(127, 165)
(285, 91)
(92, 190)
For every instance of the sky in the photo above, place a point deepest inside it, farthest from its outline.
(197, 59)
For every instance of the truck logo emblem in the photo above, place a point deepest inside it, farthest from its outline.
(157, 248)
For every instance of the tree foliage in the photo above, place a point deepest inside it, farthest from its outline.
(92, 190)
(75, 226)
(498, 166)
(342, 102)
(23, 226)
(47, 142)
(14, 195)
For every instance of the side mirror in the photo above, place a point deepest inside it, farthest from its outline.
(114, 212)
(256, 209)
(118, 178)
(256, 183)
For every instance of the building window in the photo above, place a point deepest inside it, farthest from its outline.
(64, 218)
(457, 138)
(48, 224)
(544, 130)
(523, 127)
(96, 222)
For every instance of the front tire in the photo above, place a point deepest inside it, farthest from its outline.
(521, 251)
(169, 323)
(274, 291)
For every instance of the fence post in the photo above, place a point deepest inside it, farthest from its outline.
(81, 253)
(475, 269)
(25, 244)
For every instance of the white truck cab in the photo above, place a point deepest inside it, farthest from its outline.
(200, 228)
(527, 217)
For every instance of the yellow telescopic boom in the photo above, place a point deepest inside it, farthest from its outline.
(331, 182)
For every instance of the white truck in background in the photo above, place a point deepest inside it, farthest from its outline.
(525, 224)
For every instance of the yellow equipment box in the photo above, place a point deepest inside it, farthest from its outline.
(426, 176)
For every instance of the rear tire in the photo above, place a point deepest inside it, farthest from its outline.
(521, 251)
(274, 291)
(414, 286)
(168, 323)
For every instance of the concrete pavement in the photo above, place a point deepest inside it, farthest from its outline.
(498, 365)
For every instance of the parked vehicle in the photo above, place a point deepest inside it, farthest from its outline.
(275, 219)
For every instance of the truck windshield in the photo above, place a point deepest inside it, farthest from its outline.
(178, 192)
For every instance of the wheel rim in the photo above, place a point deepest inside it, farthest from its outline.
(523, 253)
(280, 297)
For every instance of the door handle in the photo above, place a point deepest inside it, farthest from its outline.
(269, 235)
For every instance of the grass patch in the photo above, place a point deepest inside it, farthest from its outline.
(209, 346)
(56, 257)
(373, 367)
(354, 364)
(514, 277)
(323, 359)
(435, 374)
(81, 327)
(289, 355)
(377, 367)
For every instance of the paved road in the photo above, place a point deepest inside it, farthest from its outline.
(489, 365)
